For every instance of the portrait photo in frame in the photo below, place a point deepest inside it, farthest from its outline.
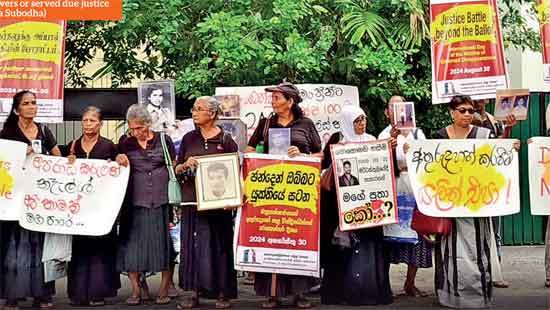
(159, 98)
(403, 115)
(218, 182)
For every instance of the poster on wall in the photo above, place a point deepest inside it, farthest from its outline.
(365, 184)
(32, 58)
(467, 50)
(277, 228)
(12, 158)
(464, 178)
(323, 103)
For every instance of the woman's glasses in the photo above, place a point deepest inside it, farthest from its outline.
(464, 110)
(198, 109)
(359, 119)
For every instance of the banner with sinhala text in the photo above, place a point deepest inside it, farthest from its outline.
(539, 175)
(323, 103)
(467, 50)
(31, 58)
(365, 184)
(277, 228)
(79, 199)
(464, 178)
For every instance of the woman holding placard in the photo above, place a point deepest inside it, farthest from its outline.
(206, 236)
(22, 273)
(144, 240)
(356, 269)
(92, 274)
(462, 259)
(304, 139)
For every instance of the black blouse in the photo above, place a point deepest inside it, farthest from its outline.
(103, 149)
(194, 144)
(442, 133)
(44, 134)
(148, 184)
(303, 134)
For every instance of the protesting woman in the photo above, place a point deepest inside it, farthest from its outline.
(144, 241)
(92, 274)
(206, 236)
(304, 140)
(356, 271)
(22, 273)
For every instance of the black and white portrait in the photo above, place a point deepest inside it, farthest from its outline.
(218, 182)
(279, 141)
(237, 129)
(348, 173)
(160, 100)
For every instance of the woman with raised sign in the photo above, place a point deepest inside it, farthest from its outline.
(144, 240)
(462, 259)
(304, 140)
(92, 274)
(206, 236)
(356, 270)
(22, 273)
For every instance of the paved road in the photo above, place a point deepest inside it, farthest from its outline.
(523, 267)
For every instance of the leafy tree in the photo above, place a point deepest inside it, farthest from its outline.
(380, 46)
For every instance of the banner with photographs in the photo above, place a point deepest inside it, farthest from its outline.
(467, 49)
(277, 228)
(79, 199)
(539, 175)
(33, 59)
(512, 102)
(159, 97)
(365, 184)
(323, 103)
(543, 13)
(12, 159)
(464, 178)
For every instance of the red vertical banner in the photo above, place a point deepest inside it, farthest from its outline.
(278, 225)
(467, 49)
(543, 13)
(31, 58)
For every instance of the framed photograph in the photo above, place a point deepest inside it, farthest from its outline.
(237, 129)
(512, 101)
(230, 105)
(279, 141)
(159, 97)
(403, 115)
(218, 182)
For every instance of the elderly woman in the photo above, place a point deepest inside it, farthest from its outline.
(206, 236)
(304, 140)
(463, 270)
(356, 272)
(22, 273)
(92, 274)
(144, 244)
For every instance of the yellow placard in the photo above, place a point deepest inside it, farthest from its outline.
(33, 41)
(474, 22)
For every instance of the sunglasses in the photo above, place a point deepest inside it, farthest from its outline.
(464, 110)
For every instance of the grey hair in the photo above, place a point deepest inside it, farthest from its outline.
(139, 112)
(212, 103)
(93, 109)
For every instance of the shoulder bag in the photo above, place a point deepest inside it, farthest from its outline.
(174, 189)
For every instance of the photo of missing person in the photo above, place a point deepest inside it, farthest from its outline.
(159, 96)
(512, 101)
(521, 105)
(230, 105)
(348, 177)
(219, 182)
(404, 116)
(279, 141)
(237, 129)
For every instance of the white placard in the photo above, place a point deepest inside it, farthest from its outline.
(539, 175)
(12, 157)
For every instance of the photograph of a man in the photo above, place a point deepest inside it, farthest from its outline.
(160, 101)
(347, 179)
(218, 182)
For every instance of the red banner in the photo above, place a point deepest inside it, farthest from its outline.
(31, 58)
(467, 51)
(278, 229)
(543, 12)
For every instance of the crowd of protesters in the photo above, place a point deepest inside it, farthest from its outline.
(355, 265)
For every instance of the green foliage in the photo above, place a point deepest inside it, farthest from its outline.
(380, 46)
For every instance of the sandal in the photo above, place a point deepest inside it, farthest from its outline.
(271, 303)
(173, 292)
(163, 300)
(223, 304)
(47, 306)
(414, 292)
(133, 301)
(302, 303)
(501, 284)
(189, 303)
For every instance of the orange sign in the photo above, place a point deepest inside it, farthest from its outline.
(61, 9)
